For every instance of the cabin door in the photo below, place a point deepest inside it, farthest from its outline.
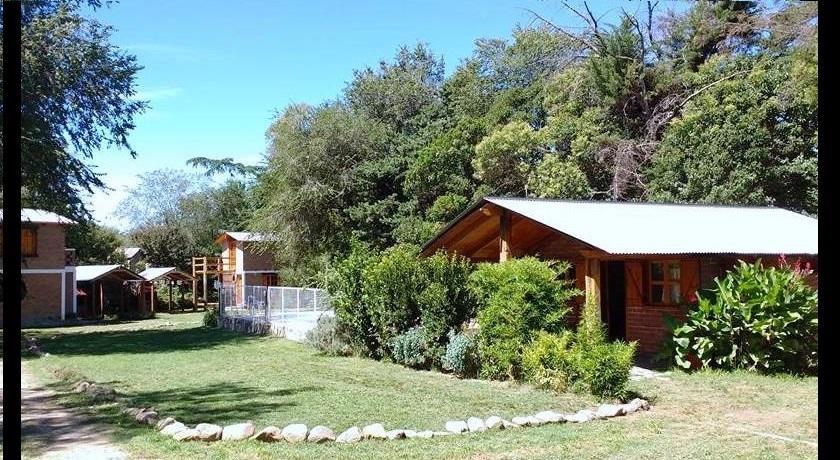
(613, 308)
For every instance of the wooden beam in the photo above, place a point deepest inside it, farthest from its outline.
(504, 236)
(592, 268)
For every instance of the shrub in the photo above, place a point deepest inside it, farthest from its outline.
(390, 292)
(344, 281)
(330, 337)
(211, 317)
(446, 302)
(516, 299)
(408, 348)
(761, 319)
(547, 362)
(461, 355)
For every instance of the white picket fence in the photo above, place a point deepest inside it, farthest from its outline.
(291, 310)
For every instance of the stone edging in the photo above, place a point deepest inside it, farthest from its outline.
(298, 432)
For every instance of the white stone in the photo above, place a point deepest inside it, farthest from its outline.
(147, 417)
(268, 434)
(396, 434)
(208, 432)
(438, 434)
(548, 416)
(475, 424)
(456, 426)
(425, 434)
(609, 410)
(163, 423)
(296, 432)
(238, 431)
(350, 435)
(581, 416)
(190, 434)
(521, 421)
(493, 422)
(173, 428)
(374, 431)
(320, 433)
(410, 434)
(506, 425)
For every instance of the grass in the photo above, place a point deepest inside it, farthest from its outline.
(204, 375)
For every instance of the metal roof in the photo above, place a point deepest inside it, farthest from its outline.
(660, 228)
(39, 216)
(153, 273)
(131, 252)
(94, 272)
(244, 236)
(654, 228)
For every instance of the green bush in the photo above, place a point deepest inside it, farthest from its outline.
(211, 317)
(330, 337)
(761, 319)
(446, 302)
(408, 348)
(344, 281)
(461, 355)
(547, 362)
(390, 292)
(517, 299)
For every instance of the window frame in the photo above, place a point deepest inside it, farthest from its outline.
(666, 282)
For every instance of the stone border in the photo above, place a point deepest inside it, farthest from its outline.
(298, 432)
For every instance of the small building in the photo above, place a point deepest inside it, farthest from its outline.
(47, 268)
(163, 276)
(638, 261)
(133, 257)
(243, 264)
(107, 290)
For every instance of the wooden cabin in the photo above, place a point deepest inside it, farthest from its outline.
(47, 268)
(108, 289)
(639, 261)
(243, 265)
(160, 277)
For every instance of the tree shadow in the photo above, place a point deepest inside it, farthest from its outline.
(138, 341)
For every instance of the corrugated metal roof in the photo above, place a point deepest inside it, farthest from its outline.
(39, 216)
(653, 228)
(131, 252)
(156, 272)
(247, 236)
(92, 272)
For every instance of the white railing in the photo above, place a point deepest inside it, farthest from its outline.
(273, 302)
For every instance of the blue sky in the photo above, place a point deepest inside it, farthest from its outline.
(215, 73)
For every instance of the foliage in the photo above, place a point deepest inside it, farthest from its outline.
(78, 95)
(758, 318)
(461, 354)
(516, 299)
(330, 337)
(211, 317)
(546, 361)
(409, 348)
(556, 178)
(95, 244)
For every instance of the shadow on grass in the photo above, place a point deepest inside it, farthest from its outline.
(138, 341)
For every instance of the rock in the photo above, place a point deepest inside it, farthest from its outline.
(438, 434)
(81, 387)
(581, 416)
(238, 431)
(147, 417)
(294, 433)
(493, 422)
(609, 410)
(173, 428)
(320, 433)
(456, 426)
(164, 423)
(635, 405)
(410, 434)
(475, 424)
(351, 435)
(549, 416)
(506, 425)
(374, 431)
(268, 434)
(521, 421)
(426, 434)
(396, 434)
(190, 434)
(209, 432)
(132, 411)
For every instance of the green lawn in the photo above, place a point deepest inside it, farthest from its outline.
(203, 375)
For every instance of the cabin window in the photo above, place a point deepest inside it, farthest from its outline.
(28, 242)
(664, 282)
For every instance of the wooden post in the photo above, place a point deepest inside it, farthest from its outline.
(101, 300)
(203, 289)
(194, 285)
(504, 236)
(169, 307)
(593, 282)
(153, 296)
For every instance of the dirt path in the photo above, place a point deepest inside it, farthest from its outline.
(53, 432)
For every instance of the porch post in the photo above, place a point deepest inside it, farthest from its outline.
(169, 306)
(593, 282)
(504, 236)
(153, 295)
